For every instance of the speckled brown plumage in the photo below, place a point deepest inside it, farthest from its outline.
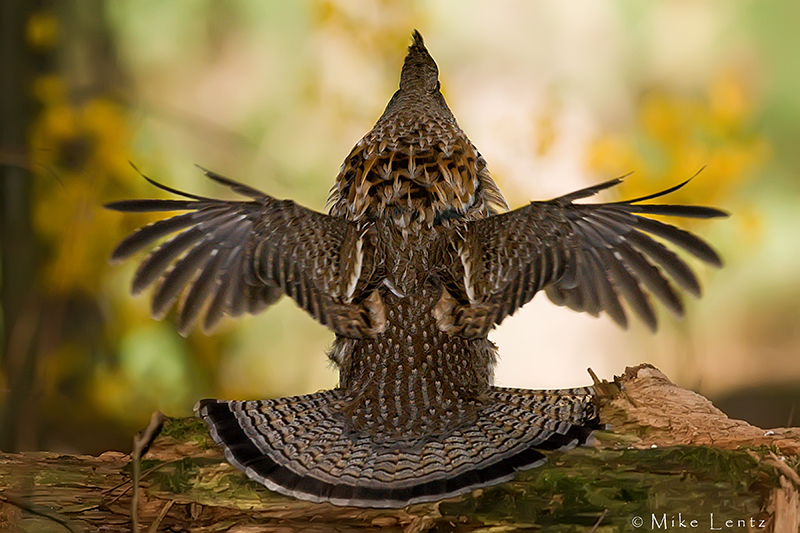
(412, 268)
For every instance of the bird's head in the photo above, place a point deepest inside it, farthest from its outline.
(420, 73)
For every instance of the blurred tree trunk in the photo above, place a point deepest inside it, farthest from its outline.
(672, 459)
(18, 246)
(66, 43)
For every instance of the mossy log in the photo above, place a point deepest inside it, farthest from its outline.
(669, 461)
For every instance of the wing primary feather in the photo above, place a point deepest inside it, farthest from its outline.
(674, 210)
(661, 193)
(574, 297)
(210, 278)
(227, 283)
(658, 194)
(592, 235)
(199, 292)
(665, 257)
(587, 191)
(152, 267)
(553, 266)
(608, 297)
(150, 233)
(177, 278)
(668, 260)
(155, 265)
(152, 205)
(650, 276)
(629, 288)
(216, 307)
(556, 294)
(570, 277)
(262, 297)
(238, 303)
(615, 233)
(235, 186)
(539, 272)
(589, 295)
(689, 242)
(617, 221)
(166, 188)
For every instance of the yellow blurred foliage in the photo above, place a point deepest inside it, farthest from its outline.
(80, 151)
(612, 153)
(676, 135)
(43, 31)
(49, 89)
(730, 105)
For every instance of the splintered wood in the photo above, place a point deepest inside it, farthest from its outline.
(644, 403)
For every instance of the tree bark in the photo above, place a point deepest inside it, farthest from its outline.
(669, 461)
(18, 245)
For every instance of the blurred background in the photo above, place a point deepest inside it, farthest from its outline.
(555, 95)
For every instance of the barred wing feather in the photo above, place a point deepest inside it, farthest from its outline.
(235, 257)
(585, 256)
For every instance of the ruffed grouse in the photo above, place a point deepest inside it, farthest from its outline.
(411, 269)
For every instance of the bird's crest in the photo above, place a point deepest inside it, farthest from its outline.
(419, 69)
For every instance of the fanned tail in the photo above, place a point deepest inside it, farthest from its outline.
(301, 447)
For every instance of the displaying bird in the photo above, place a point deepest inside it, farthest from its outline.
(411, 269)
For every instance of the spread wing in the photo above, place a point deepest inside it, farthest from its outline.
(585, 256)
(232, 257)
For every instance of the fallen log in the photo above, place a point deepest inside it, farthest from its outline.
(668, 460)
